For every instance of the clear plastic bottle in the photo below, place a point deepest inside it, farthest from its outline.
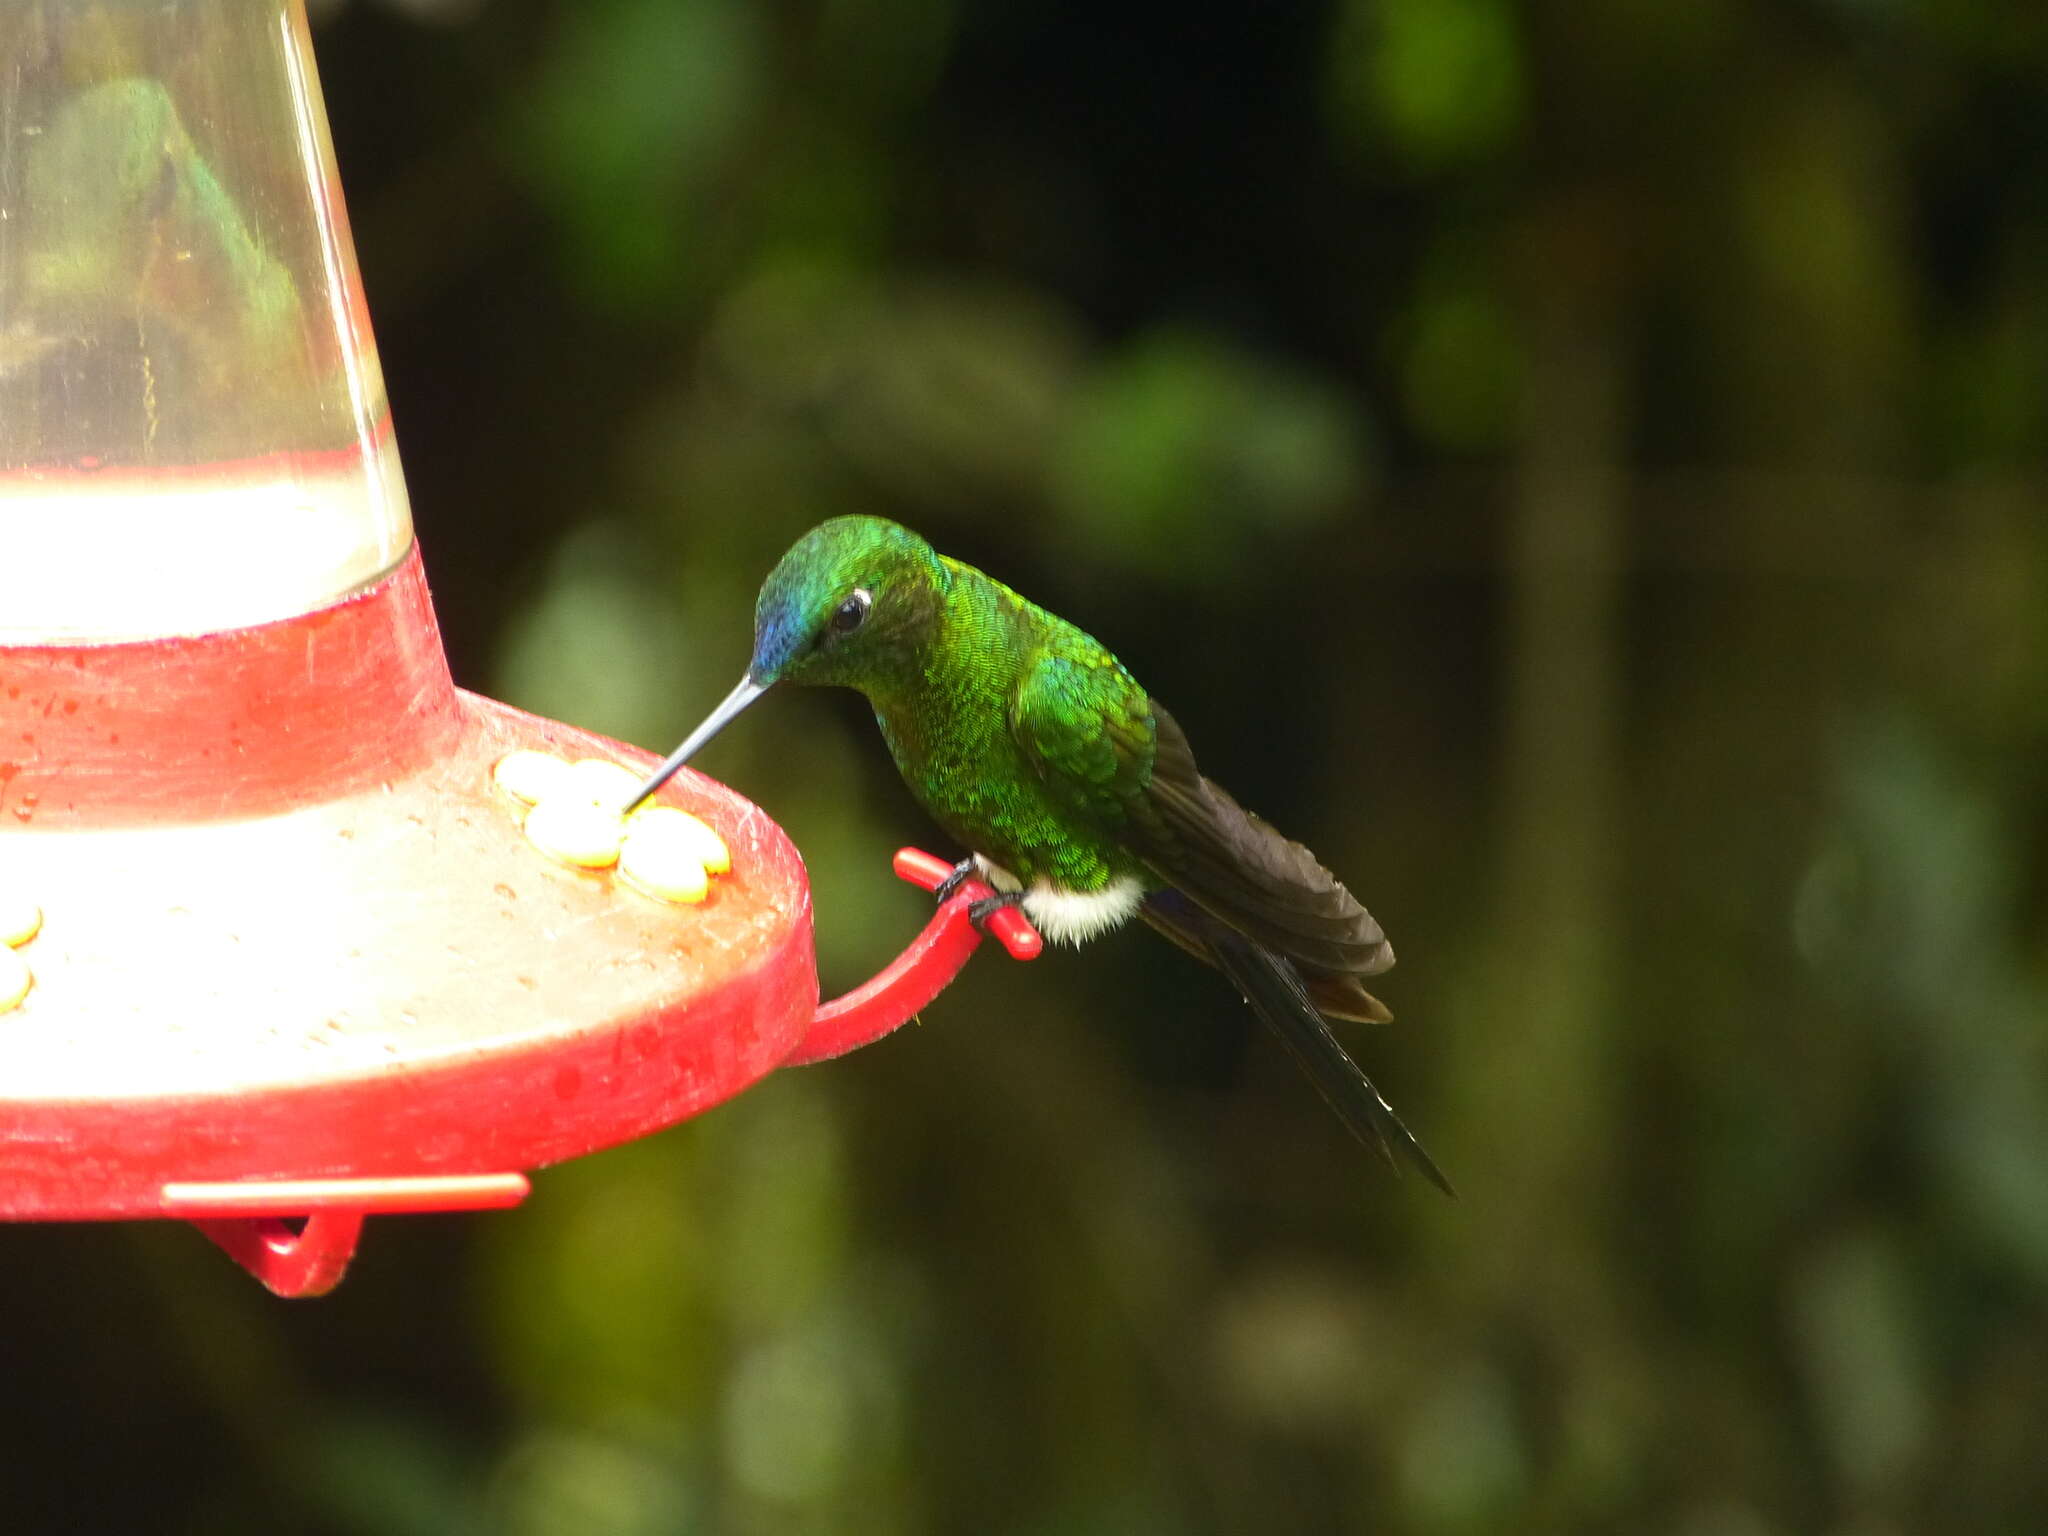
(193, 429)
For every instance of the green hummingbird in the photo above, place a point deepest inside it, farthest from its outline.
(1072, 788)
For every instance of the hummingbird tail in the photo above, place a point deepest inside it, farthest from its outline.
(1275, 991)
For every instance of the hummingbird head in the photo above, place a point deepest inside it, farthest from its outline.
(852, 603)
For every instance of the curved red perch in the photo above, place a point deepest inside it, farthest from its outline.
(921, 972)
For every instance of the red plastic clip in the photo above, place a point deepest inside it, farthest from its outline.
(248, 1220)
(308, 1262)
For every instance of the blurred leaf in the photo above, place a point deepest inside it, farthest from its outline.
(601, 1314)
(780, 1201)
(1910, 908)
(377, 1472)
(1855, 1340)
(799, 1410)
(1183, 454)
(1295, 1349)
(884, 53)
(639, 105)
(1462, 369)
(577, 1483)
(1440, 82)
(946, 392)
(1989, 383)
(1463, 1467)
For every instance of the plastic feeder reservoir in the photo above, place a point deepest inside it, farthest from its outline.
(277, 945)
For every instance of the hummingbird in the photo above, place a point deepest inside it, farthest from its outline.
(1072, 788)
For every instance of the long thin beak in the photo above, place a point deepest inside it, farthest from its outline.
(718, 720)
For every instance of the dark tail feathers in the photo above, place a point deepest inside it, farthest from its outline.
(1275, 991)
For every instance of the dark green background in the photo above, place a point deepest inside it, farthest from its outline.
(1577, 465)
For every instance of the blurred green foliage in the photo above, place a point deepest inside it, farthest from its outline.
(1577, 466)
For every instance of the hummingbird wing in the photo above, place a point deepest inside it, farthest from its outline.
(1086, 726)
(1118, 763)
(1336, 993)
(1236, 867)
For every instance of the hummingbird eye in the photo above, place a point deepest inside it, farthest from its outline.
(852, 613)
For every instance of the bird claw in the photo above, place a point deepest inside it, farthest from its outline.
(962, 873)
(979, 912)
(983, 908)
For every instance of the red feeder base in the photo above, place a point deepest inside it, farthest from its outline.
(299, 960)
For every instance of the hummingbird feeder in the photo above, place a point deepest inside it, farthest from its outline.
(290, 958)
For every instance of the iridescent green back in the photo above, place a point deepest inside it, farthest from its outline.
(1023, 736)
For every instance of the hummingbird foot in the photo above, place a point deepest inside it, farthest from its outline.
(964, 871)
(979, 912)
